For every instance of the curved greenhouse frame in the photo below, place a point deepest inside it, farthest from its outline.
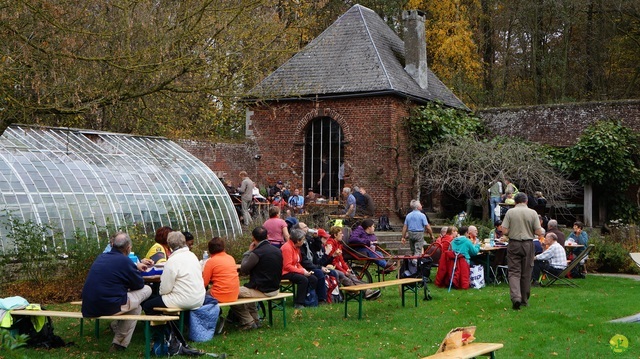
(81, 180)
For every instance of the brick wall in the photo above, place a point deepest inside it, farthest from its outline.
(225, 159)
(370, 126)
(558, 125)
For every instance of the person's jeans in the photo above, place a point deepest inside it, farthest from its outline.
(321, 287)
(494, 203)
(123, 329)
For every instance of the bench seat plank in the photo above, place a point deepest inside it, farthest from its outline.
(356, 292)
(471, 350)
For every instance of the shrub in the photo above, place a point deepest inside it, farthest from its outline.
(611, 254)
(10, 342)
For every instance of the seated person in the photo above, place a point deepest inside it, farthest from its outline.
(292, 268)
(553, 260)
(263, 263)
(220, 271)
(332, 242)
(276, 227)
(160, 251)
(311, 197)
(189, 239)
(310, 261)
(278, 201)
(464, 246)
(578, 236)
(509, 199)
(296, 202)
(114, 285)
(553, 228)
(350, 203)
(181, 280)
(365, 242)
(497, 232)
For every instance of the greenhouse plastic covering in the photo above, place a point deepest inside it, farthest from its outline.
(81, 180)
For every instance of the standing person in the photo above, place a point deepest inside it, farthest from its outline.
(293, 270)
(340, 178)
(324, 180)
(370, 207)
(415, 224)
(181, 280)
(114, 285)
(221, 273)
(246, 190)
(521, 224)
(495, 196)
(263, 263)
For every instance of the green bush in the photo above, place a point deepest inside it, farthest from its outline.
(610, 255)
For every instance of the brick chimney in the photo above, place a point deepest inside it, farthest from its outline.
(415, 46)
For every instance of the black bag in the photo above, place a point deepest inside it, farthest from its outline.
(383, 224)
(420, 270)
(174, 343)
(42, 339)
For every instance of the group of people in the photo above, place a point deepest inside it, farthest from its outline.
(533, 246)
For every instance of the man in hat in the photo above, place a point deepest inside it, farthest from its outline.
(310, 260)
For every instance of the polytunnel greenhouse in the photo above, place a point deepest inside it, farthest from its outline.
(81, 180)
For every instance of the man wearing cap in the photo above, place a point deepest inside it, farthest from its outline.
(275, 189)
(310, 260)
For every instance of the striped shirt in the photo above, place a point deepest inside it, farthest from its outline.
(555, 255)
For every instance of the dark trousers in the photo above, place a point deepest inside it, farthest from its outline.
(321, 287)
(303, 283)
(539, 266)
(153, 302)
(520, 256)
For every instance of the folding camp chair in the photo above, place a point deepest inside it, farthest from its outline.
(636, 258)
(562, 277)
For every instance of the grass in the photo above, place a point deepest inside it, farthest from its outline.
(560, 322)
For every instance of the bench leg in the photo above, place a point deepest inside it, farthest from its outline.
(81, 327)
(410, 288)
(360, 297)
(281, 305)
(97, 328)
(147, 338)
(270, 312)
(181, 322)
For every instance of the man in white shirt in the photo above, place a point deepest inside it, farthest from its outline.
(553, 260)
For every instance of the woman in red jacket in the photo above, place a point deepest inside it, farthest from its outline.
(333, 248)
(293, 270)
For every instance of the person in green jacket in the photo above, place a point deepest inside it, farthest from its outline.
(464, 246)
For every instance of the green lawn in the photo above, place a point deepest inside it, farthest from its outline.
(560, 322)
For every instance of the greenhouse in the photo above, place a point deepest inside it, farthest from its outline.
(79, 181)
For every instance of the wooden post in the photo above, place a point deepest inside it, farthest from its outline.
(588, 205)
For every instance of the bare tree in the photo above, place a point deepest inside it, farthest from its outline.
(466, 167)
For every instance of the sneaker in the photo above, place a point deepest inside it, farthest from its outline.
(375, 295)
(220, 325)
(116, 348)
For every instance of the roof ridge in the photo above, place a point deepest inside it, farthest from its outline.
(375, 46)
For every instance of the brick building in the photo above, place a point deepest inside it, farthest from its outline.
(340, 102)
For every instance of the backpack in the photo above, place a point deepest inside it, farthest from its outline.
(172, 343)
(383, 224)
(312, 299)
(422, 269)
(333, 292)
(41, 339)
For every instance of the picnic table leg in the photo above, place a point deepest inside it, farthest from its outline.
(284, 313)
(360, 297)
(270, 312)
(147, 339)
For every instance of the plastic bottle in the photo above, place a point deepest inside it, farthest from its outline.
(492, 238)
(133, 258)
(205, 256)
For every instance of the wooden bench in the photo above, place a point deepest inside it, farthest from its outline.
(356, 292)
(471, 350)
(280, 299)
(147, 319)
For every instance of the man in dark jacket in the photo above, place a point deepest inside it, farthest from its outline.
(114, 285)
(263, 263)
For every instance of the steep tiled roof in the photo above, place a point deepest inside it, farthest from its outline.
(357, 55)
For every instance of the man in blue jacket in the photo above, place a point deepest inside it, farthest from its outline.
(114, 285)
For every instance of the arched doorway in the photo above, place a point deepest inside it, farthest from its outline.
(324, 153)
